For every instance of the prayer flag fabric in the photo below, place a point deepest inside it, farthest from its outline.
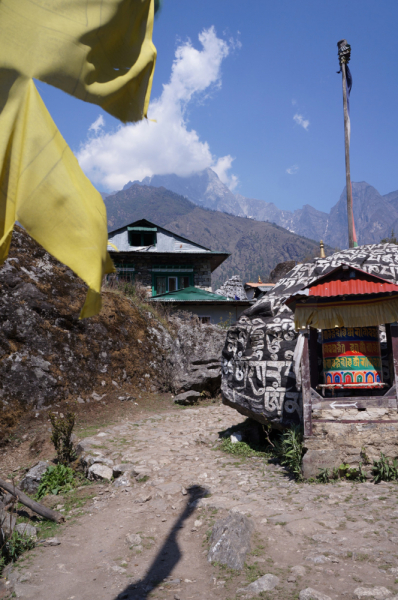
(100, 52)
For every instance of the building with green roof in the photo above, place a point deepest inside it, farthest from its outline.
(209, 307)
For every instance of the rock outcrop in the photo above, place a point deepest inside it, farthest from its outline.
(48, 355)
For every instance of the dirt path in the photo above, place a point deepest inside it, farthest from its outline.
(337, 538)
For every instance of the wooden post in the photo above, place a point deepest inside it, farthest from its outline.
(314, 357)
(306, 388)
(344, 57)
(394, 348)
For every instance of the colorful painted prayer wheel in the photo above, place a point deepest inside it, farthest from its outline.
(351, 356)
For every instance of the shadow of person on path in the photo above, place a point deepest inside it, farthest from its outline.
(168, 555)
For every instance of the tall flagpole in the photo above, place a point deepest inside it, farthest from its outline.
(344, 53)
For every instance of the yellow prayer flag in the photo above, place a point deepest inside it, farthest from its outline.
(100, 52)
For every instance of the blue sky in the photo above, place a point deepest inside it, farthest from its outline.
(261, 97)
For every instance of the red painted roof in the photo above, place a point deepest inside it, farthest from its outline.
(351, 287)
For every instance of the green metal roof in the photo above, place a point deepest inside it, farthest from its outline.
(141, 228)
(191, 294)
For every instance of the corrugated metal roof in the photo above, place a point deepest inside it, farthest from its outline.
(351, 287)
(194, 294)
(346, 280)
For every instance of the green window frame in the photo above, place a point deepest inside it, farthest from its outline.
(183, 280)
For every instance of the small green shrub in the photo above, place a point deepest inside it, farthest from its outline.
(384, 471)
(239, 449)
(62, 428)
(290, 450)
(13, 547)
(345, 471)
(324, 476)
(56, 479)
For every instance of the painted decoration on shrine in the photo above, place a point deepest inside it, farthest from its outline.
(351, 355)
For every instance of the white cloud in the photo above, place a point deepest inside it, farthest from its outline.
(146, 148)
(299, 119)
(292, 170)
(97, 125)
(221, 167)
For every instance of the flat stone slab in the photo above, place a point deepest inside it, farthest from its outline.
(378, 593)
(311, 594)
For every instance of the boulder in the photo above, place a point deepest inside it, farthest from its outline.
(230, 541)
(99, 472)
(30, 483)
(186, 398)
(204, 380)
(133, 539)
(266, 583)
(26, 529)
(122, 469)
(122, 482)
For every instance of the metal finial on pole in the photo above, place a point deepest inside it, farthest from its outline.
(344, 54)
(322, 249)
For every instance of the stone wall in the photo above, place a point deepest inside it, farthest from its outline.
(338, 442)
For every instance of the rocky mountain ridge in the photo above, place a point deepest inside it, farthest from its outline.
(375, 215)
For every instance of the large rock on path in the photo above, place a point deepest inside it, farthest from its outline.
(100, 472)
(230, 541)
(266, 583)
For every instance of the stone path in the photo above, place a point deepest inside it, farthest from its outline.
(340, 540)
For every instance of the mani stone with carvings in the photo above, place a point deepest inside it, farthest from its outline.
(233, 288)
(258, 369)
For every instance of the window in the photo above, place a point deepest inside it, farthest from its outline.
(135, 239)
(205, 320)
(148, 239)
(172, 284)
(161, 285)
(169, 278)
(142, 238)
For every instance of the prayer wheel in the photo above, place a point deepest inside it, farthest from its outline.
(351, 357)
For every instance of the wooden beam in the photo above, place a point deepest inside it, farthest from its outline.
(351, 402)
(361, 422)
(41, 510)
